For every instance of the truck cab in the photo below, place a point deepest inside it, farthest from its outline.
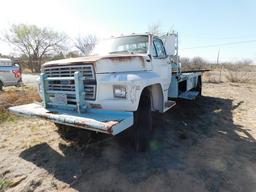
(116, 87)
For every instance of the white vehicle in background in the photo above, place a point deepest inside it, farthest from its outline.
(115, 88)
(10, 73)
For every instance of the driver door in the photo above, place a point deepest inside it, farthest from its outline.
(161, 62)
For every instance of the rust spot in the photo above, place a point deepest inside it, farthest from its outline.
(82, 122)
(110, 123)
(110, 131)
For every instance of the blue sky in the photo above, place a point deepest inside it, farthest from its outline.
(199, 22)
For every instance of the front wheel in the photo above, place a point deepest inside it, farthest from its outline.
(142, 123)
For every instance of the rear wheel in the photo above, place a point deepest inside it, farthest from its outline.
(142, 123)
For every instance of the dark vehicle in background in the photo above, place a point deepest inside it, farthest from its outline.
(10, 73)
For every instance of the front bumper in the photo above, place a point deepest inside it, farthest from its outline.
(109, 122)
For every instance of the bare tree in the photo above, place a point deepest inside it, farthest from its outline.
(185, 63)
(86, 43)
(194, 63)
(155, 29)
(35, 43)
(198, 63)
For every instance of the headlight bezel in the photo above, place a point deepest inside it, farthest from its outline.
(120, 91)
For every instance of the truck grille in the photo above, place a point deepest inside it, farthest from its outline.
(68, 86)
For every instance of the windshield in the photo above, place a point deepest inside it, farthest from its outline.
(131, 44)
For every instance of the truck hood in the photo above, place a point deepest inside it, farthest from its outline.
(108, 63)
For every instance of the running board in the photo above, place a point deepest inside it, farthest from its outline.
(190, 95)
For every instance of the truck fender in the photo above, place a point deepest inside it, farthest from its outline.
(156, 95)
(138, 81)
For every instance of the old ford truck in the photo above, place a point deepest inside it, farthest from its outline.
(116, 87)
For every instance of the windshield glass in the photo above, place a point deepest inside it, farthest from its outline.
(131, 44)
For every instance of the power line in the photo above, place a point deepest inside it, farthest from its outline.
(221, 44)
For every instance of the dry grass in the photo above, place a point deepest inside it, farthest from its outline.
(18, 96)
(13, 97)
(239, 77)
(4, 184)
(5, 115)
(210, 78)
(240, 73)
(232, 73)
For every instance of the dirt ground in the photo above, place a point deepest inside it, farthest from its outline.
(202, 145)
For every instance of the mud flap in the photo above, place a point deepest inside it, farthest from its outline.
(109, 122)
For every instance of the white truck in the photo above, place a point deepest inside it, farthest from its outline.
(116, 87)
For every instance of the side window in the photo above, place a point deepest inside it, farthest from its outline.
(160, 50)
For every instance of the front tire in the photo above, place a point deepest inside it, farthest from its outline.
(142, 123)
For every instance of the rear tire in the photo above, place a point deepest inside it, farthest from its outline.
(142, 123)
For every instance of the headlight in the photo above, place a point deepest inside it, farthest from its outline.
(119, 91)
